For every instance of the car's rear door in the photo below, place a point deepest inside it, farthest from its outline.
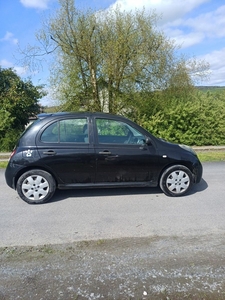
(66, 149)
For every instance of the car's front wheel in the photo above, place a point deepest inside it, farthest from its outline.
(176, 181)
(36, 186)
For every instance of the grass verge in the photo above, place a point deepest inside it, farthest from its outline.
(205, 156)
(3, 164)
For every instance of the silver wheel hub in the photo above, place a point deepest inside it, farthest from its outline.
(178, 182)
(35, 187)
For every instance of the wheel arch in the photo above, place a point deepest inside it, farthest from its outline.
(181, 163)
(34, 167)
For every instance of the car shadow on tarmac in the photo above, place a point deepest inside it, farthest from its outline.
(104, 192)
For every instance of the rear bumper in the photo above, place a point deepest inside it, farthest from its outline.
(11, 173)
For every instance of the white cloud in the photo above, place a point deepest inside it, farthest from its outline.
(21, 71)
(9, 37)
(185, 40)
(185, 31)
(217, 66)
(193, 31)
(170, 10)
(40, 4)
(211, 24)
(5, 63)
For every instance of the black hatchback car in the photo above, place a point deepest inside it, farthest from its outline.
(92, 150)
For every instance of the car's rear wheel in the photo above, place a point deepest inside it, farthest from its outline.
(176, 181)
(36, 186)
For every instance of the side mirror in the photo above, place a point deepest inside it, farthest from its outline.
(148, 141)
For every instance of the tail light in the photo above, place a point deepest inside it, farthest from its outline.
(11, 155)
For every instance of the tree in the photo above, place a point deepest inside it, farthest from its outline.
(18, 102)
(109, 61)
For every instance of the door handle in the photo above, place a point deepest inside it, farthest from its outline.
(49, 152)
(143, 148)
(106, 152)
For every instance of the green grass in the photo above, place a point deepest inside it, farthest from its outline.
(3, 164)
(211, 156)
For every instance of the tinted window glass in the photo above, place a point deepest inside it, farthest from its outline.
(116, 132)
(66, 131)
(50, 135)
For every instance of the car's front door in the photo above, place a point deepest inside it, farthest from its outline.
(122, 154)
(66, 149)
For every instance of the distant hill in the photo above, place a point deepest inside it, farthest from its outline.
(210, 88)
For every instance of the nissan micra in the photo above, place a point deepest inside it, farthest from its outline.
(93, 150)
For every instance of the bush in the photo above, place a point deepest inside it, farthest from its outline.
(198, 121)
(9, 141)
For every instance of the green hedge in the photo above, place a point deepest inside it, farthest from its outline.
(198, 121)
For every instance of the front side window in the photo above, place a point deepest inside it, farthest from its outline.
(66, 131)
(117, 132)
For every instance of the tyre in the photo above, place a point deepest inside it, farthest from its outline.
(36, 186)
(176, 181)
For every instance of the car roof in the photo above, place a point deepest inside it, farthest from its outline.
(59, 114)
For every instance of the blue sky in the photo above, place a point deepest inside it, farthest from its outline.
(197, 25)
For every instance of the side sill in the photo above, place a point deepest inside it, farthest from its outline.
(106, 185)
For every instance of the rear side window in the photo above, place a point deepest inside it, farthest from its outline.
(66, 131)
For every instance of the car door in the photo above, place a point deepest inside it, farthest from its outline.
(66, 149)
(122, 155)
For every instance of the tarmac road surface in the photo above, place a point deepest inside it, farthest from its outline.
(115, 244)
(78, 215)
